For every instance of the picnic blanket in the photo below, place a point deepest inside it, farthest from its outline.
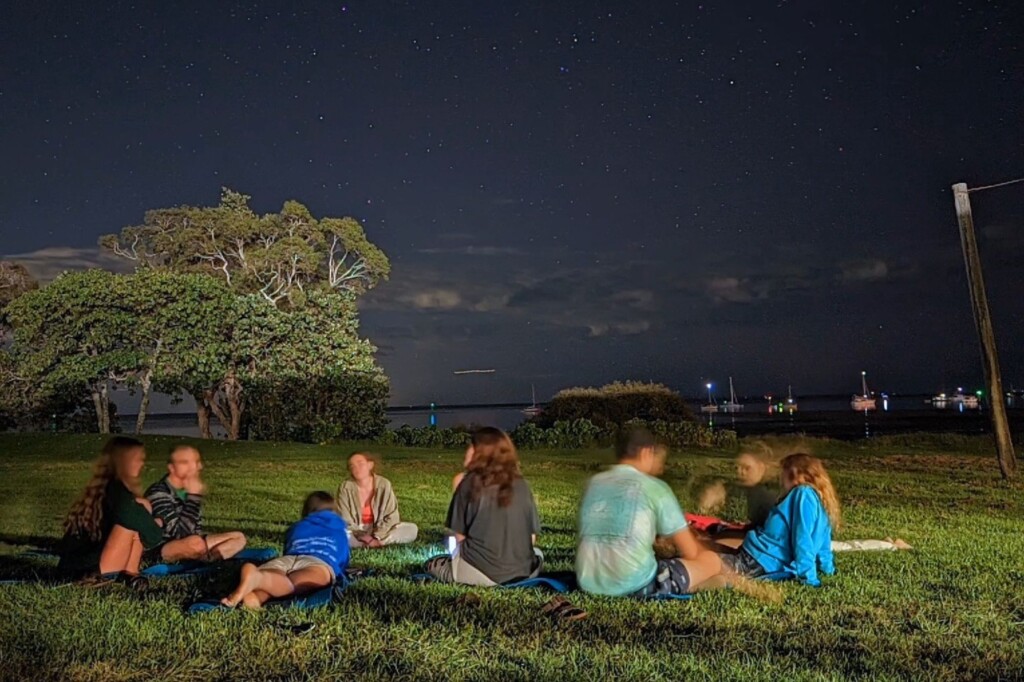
(313, 600)
(541, 581)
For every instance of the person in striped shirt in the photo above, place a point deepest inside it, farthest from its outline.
(177, 500)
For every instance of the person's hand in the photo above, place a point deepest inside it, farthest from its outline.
(371, 541)
(664, 548)
(195, 485)
(712, 498)
(158, 521)
(145, 503)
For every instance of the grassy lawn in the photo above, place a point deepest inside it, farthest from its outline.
(951, 609)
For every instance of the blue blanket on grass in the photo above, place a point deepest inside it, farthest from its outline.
(313, 600)
(541, 581)
(253, 555)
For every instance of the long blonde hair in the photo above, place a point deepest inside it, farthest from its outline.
(86, 514)
(805, 469)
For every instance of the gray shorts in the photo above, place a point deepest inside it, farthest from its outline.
(670, 578)
(290, 563)
(743, 564)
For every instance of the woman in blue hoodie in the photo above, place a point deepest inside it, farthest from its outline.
(315, 554)
(797, 535)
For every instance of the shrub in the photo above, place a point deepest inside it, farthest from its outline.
(615, 403)
(565, 435)
(349, 406)
(426, 437)
(581, 433)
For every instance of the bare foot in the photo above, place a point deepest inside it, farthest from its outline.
(899, 544)
(248, 582)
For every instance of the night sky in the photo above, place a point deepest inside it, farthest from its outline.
(570, 192)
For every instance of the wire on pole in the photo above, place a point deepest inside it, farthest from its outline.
(998, 184)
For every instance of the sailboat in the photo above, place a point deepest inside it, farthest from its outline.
(790, 405)
(863, 402)
(533, 410)
(732, 405)
(712, 406)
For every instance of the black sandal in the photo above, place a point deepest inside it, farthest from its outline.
(139, 583)
(95, 580)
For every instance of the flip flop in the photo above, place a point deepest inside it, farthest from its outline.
(554, 603)
(562, 609)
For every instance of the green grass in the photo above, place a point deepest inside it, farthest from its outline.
(952, 609)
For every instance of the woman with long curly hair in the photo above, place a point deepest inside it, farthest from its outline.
(797, 535)
(493, 517)
(108, 526)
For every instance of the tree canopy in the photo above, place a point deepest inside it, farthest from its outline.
(282, 257)
(15, 280)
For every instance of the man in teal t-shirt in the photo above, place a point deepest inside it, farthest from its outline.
(623, 511)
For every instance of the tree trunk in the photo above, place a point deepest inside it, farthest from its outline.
(203, 416)
(233, 395)
(97, 401)
(226, 402)
(147, 385)
(104, 408)
(210, 399)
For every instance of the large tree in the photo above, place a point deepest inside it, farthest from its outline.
(75, 334)
(288, 270)
(92, 331)
(281, 256)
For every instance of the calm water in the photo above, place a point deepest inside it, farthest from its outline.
(830, 417)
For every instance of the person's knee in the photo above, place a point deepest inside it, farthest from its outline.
(191, 547)
(120, 533)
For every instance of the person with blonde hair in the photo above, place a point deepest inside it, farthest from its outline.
(367, 503)
(110, 525)
(493, 517)
(797, 535)
(755, 497)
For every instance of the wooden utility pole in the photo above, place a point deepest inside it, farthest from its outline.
(983, 320)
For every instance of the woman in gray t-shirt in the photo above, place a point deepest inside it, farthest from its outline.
(493, 517)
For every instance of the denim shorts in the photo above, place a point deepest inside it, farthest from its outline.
(743, 564)
(670, 578)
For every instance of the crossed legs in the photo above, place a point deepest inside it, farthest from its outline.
(214, 547)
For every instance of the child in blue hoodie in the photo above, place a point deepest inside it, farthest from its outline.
(796, 537)
(315, 554)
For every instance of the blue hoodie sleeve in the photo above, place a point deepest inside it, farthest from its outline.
(806, 512)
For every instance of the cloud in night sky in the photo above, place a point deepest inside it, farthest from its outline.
(864, 271)
(48, 262)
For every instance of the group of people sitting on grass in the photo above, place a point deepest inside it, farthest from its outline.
(628, 517)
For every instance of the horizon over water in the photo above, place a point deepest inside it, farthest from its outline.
(829, 416)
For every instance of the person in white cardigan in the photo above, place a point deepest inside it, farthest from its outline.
(368, 504)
